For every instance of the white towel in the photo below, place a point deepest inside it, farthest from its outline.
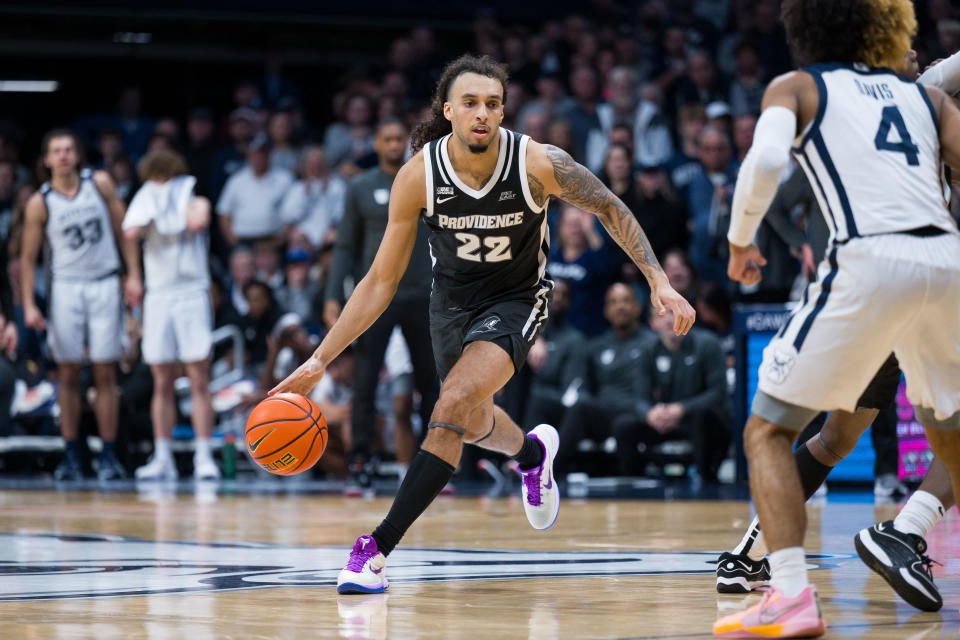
(164, 204)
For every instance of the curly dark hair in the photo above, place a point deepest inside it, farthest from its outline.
(438, 126)
(874, 32)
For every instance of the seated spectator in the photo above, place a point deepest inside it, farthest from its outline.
(581, 257)
(606, 376)
(266, 261)
(230, 158)
(685, 162)
(242, 271)
(680, 392)
(550, 359)
(109, 146)
(283, 153)
(201, 149)
(703, 83)
(121, 170)
(653, 142)
(581, 113)
(301, 294)
(617, 174)
(346, 142)
(659, 211)
(709, 198)
(314, 204)
(262, 315)
(334, 397)
(680, 273)
(746, 90)
(249, 207)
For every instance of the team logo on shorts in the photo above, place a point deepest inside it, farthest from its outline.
(61, 567)
(780, 363)
(490, 324)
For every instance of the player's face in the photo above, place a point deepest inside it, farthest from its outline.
(475, 108)
(391, 143)
(61, 155)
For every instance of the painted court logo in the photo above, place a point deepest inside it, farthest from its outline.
(60, 567)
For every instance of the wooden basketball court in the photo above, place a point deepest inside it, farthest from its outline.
(205, 565)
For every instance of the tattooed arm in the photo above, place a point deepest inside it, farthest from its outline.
(552, 172)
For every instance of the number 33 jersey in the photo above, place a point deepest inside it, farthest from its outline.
(489, 244)
(872, 153)
(79, 232)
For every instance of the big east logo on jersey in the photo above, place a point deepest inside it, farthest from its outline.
(58, 567)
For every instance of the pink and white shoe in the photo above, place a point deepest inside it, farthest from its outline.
(365, 571)
(541, 496)
(777, 616)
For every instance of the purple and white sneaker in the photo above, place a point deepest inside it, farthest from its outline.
(541, 496)
(364, 572)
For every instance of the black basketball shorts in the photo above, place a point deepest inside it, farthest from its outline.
(881, 393)
(511, 324)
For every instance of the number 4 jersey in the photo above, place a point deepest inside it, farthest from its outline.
(872, 153)
(489, 244)
(79, 232)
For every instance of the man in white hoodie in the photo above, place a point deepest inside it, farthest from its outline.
(177, 316)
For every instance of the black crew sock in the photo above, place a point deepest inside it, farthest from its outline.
(530, 455)
(108, 449)
(812, 471)
(426, 476)
(72, 449)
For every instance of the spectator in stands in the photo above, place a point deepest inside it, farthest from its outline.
(652, 140)
(231, 157)
(300, 294)
(283, 152)
(560, 135)
(581, 113)
(169, 128)
(314, 204)
(709, 198)
(121, 170)
(249, 207)
(680, 273)
(109, 146)
(136, 128)
(551, 359)
(266, 262)
(743, 126)
(334, 397)
(581, 257)
(685, 162)
(617, 173)
(661, 214)
(224, 314)
(746, 90)
(352, 139)
(173, 224)
(703, 83)
(680, 392)
(260, 319)
(606, 376)
(714, 312)
(242, 271)
(201, 150)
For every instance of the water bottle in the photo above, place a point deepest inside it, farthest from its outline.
(229, 456)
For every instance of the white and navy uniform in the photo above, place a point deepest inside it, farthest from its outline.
(891, 278)
(489, 248)
(85, 303)
(177, 313)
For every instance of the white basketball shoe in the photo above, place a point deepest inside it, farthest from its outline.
(541, 496)
(160, 468)
(365, 571)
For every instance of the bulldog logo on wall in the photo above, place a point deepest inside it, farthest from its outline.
(61, 567)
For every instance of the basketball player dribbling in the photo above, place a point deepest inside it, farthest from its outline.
(80, 214)
(871, 143)
(483, 191)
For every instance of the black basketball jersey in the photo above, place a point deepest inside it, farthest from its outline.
(488, 244)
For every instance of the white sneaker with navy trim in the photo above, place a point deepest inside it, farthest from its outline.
(541, 496)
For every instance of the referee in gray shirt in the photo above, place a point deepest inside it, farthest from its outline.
(359, 235)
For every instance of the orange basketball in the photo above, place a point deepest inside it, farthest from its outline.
(286, 434)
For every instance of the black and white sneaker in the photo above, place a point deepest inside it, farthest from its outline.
(899, 559)
(741, 574)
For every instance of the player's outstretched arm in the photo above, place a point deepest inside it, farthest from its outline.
(552, 172)
(375, 291)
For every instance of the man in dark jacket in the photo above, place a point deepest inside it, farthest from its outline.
(682, 394)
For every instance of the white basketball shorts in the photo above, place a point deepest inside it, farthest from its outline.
(85, 313)
(177, 326)
(873, 295)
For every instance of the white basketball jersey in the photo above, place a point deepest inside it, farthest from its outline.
(79, 233)
(872, 153)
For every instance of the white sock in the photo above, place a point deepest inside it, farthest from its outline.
(788, 571)
(752, 542)
(918, 516)
(201, 448)
(161, 449)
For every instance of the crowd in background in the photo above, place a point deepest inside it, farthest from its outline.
(659, 100)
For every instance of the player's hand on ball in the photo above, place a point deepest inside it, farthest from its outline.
(664, 297)
(744, 265)
(303, 379)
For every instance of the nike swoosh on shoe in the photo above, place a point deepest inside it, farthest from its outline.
(766, 618)
(549, 480)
